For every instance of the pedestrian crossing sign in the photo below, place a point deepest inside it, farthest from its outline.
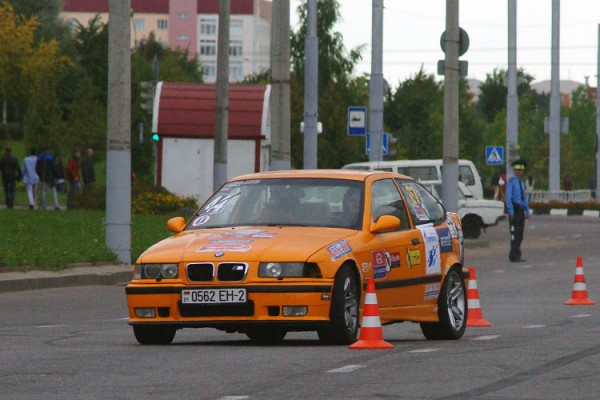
(494, 155)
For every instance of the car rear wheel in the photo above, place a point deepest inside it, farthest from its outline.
(343, 326)
(154, 335)
(471, 227)
(266, 335)
(452, 310)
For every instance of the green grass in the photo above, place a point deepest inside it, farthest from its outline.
(53, 240)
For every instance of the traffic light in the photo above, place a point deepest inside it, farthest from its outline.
(155, 137)
(147, 95)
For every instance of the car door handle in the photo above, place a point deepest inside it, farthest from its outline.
(415, 241)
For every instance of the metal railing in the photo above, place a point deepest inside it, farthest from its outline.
(539, 196)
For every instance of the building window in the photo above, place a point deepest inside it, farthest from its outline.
(182, 15)
(208, 26)
(236, 28)
(162, 24)
(235, 48)
(208, 47)
(209, 71)
(182, 36)
(236, 73)
(139, 24)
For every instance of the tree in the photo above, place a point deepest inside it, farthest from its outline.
(492, 99)
(342, 90)
(414, 113)
(16, 48)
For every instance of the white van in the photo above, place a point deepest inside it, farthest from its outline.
(426, 171)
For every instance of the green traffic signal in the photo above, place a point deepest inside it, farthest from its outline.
(155, 137)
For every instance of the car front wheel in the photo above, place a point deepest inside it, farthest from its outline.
(452, 310)
(343, 326)
(154, 335)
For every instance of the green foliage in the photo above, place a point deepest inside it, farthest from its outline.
(414, 113)
(342, 90)
(162, 203)
(54, 240)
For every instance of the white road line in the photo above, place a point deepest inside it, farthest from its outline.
(486, 337)
(50, 326)
(581, 315)
(427, 350)
(534, 326)
(234, 397)
(347, 368)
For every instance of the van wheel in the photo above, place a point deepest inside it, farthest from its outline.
(471, 227)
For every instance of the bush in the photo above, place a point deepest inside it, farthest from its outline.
(162, 203)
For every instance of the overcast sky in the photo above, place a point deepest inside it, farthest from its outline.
(412, 30)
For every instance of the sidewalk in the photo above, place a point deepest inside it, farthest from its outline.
(77, 276)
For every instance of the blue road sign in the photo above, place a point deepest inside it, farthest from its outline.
(494, 155)
(384, 143)
(357, 121)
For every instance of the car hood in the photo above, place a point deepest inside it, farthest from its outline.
(279, 243)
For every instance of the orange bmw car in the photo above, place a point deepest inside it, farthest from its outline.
(275, 252)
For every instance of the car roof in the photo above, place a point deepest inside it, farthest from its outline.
(320, 173)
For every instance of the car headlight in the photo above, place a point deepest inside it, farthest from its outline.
(155, 271)
(288, 270)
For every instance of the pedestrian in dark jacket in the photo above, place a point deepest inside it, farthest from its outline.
(72, 176)
(46, 169)
(11, 173)
(87, 169)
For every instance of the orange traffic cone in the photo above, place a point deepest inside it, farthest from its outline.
(579, 296)
(371, 333)
(475, 316)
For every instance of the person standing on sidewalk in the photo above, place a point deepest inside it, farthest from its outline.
(9, 165)
(87, 170)
(73, 178)
(46, 170)
(517, 208)
(30, 176)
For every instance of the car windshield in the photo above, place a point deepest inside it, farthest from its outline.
(284, 201)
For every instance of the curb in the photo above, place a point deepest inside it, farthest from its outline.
(78, 276)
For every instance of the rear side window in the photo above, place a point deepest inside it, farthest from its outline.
(422, 205)
(420, 173)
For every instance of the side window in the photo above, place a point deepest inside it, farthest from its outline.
(423, 206)
(386, 200)
(466, 175)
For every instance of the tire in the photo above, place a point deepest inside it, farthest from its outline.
(266, 335)
(154, 335)
(452, 310)
(343, 315)
(471, 227)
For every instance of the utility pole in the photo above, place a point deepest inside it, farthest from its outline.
(512, 99)
(118, 155)
(280, 86)
(311, 87)
(451, 74)
(222, 110)
(376, 84)
(597, 183)
(554, 120)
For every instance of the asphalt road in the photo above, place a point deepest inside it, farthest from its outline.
(74, 343)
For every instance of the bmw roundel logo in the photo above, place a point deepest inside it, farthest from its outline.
(219, 254)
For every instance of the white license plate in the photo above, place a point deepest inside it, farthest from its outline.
(213, 296)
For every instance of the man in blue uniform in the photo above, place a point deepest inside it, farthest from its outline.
(517, 208)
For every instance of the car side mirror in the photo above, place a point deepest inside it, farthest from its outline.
(385, 223)
(176, 224)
